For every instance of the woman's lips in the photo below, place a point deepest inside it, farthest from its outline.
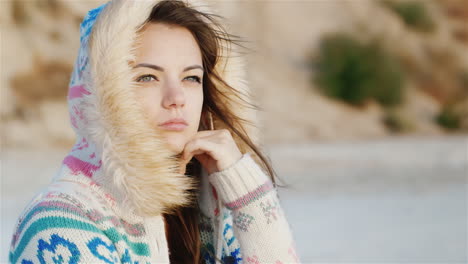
(174, 126)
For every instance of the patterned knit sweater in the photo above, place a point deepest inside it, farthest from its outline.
(106, 202)
(74, 221)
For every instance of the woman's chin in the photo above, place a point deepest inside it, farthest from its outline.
(177, 141)
(176, 145)
(175, 149)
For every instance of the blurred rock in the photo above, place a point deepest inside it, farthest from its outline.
(418, 113)
(461, 109)
(40, 40)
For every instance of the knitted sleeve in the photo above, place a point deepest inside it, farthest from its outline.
(56, 230)
(260, 224)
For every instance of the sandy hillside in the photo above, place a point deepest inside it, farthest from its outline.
(40, 43)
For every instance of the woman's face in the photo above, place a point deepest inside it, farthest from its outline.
(170, 77)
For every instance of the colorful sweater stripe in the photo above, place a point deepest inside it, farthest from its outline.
(68, 222)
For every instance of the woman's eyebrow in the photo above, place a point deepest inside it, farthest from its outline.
(159, 68)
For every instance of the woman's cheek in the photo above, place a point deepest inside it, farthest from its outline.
(149, 101)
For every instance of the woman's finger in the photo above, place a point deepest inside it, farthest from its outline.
(190, 156)
(197, 146)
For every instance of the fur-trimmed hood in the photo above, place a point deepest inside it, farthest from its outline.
(116, 147)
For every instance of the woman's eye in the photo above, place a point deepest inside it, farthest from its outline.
(146, 78)
(195, 78)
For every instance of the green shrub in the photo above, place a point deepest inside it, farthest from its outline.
(413, 14)
(448, 118)
(396, 121)
(354, 72)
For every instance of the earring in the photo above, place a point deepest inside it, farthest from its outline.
(210, 119)
(203, 122)
(207, 122)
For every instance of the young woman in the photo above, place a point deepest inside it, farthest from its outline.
(166, 167)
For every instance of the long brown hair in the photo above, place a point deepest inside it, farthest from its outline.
(182, 228)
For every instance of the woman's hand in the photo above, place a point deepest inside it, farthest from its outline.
(215, 149)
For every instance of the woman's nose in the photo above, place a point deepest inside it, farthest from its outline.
(174, 96)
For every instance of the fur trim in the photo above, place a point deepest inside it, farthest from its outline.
(137, 157)
(136, 160)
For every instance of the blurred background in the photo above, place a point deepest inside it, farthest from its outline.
(365, 116)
